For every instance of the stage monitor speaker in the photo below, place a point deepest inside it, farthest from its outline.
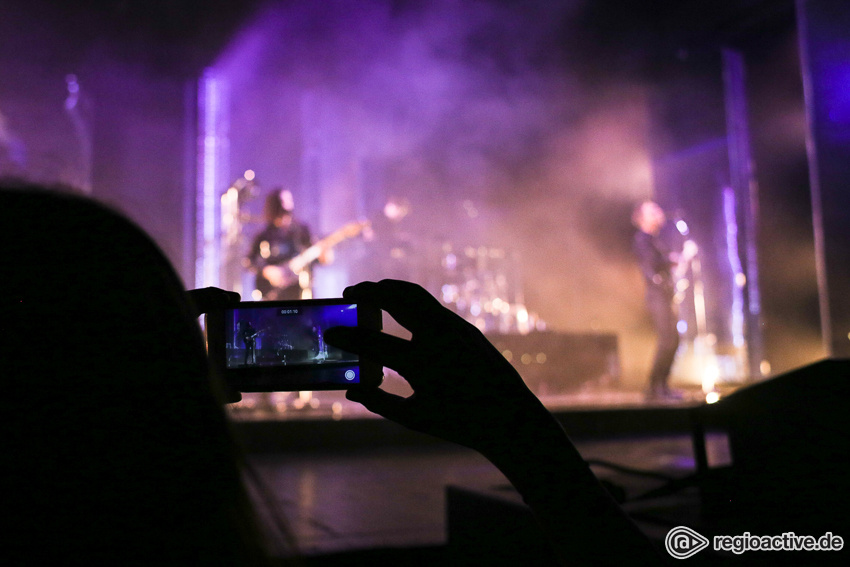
(789, 439)
(553, 363)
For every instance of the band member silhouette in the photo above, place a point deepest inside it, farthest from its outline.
(656, 264)
(248, 334)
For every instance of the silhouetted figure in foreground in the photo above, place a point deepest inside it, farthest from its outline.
(117, 450)
(121, 454)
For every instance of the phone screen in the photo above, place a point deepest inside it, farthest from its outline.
(269, 346)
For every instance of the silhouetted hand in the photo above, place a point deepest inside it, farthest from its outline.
(466, 392)
(464, 389)
(207, 300)
(211, 298)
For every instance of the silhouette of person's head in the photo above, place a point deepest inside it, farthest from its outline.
(649, 217)
(117, 447)
(278, 207)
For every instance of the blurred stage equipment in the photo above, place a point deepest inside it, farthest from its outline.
(788, 438)
(233, 219)
(696, 359)
(701, 360)
(483, 285)
(553, 363)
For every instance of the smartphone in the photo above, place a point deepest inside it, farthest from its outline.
(279, 346)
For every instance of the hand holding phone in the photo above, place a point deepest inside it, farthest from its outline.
(464, 389)
(279, 346)
(466, 392)
(208, 300)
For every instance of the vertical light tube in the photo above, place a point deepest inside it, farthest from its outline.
(212, 155)
(746, 189)
(82, 130)
(814, 177)
(738, 276)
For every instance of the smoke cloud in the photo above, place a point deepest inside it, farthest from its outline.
(474, 113)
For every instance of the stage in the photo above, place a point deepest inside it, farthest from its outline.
(283, 421)
(352, 485)
(359, 488)
(767, 459)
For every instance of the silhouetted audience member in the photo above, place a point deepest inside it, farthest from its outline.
(118, 450)
(116, 446)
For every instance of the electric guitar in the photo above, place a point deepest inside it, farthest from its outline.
(679, 271)
(689, 252)
(287, 274)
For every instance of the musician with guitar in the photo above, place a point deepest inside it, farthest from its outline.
(282, 239)
(248, 334)
(661, 269)
(281, 255)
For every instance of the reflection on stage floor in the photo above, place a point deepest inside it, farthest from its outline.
(333, 405)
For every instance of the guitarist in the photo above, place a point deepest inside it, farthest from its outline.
(660, 269)
(282, 239)
(248, 334)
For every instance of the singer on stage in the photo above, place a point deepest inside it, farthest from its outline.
(657, 265)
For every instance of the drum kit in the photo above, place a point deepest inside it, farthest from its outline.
(483, 285)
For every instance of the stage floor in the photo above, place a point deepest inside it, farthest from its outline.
(347, 480)
(394, 496)
(333, 405)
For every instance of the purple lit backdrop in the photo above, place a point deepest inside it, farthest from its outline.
(528, 127)
(468, 111)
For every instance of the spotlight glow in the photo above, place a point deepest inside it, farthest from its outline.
(710, 376)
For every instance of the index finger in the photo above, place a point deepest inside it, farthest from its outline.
(408, 303)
